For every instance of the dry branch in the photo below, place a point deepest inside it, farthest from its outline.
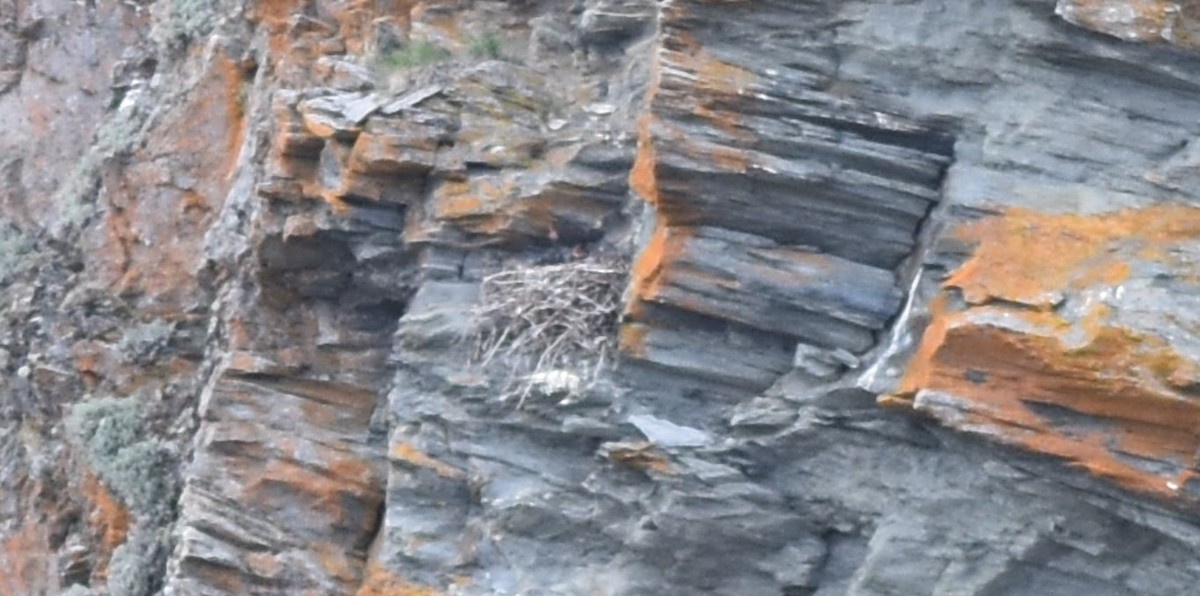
(548, 321)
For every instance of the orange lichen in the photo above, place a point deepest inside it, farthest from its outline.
(1121, 395)
(26, 562)
(496, 208)
(233, 80)
(337, 561)
(381, 582)
(1143, 20)
(712, 74)
(727, 121)
(479, 200)
(143, 209)
(456, 207)
(352, 469)
(107, 518)
(264, 564)
(730, 159)
(405, 452)
(327, 494)
(643, 179)
(632, 340)
(642, 456)
(1110, 380)
(219, 577)
(665, 245)
(349, 397)
(1028, 257)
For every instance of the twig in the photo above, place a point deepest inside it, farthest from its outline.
(540, 319)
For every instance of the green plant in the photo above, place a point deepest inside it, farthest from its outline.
(140, 470)
(14, 250)
(134, 566)
(115, 137)
(192, 19)
(112, 434)
(414, 55)
(486, 47)
(141, 343)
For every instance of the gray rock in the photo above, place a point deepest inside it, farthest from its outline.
(977, 210)
(665, 433)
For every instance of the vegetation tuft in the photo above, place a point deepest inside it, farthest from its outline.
(416, 54)
(486, 47)
(140, 470)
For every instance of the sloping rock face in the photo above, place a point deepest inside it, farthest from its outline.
(908, 311)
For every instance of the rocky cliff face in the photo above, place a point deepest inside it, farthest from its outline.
(599, 297)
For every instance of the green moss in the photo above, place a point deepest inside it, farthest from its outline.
(486, 47)
(414, 55)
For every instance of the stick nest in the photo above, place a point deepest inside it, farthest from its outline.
(550, 323)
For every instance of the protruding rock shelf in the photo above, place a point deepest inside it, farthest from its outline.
(780, 205)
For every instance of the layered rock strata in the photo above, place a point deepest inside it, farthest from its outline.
(908, 308)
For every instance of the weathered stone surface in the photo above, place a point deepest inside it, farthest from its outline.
(1137, 20)
(1074, 366)
(284, 491)
(821, 299)
(730, 355)
(401, 146)
(971, 211)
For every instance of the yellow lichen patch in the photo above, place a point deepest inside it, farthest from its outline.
(1030, 258)
(405, 452)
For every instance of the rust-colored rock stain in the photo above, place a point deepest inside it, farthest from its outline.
(26, 564)
(1080, 386)
(381, 582)
(107, 519)
(405, 452)
(1025, 256)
